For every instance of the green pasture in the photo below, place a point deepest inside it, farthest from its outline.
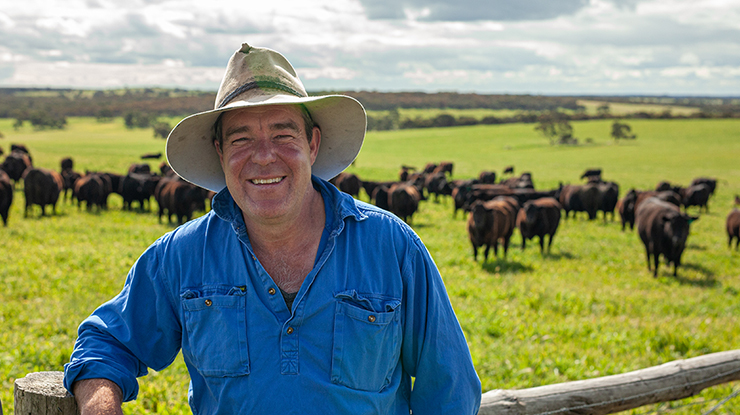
(590, 308)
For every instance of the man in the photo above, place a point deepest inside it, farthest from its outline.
(289, 296)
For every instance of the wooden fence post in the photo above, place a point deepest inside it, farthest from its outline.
(42, 393)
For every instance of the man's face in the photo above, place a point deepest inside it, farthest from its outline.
(267, 158)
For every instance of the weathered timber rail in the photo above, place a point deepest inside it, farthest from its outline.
(42, 393)
(606, 395)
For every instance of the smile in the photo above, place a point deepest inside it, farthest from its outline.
(267, 181)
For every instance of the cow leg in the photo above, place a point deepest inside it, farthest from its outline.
(657, 261)
(495, 248)
(647, 252)
(485, 253)
(542, 244)
(524, 242)
(475, 253)
(506, 246)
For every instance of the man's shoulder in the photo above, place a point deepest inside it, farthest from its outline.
(195, 230)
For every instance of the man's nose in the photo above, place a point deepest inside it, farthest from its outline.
(264, 152)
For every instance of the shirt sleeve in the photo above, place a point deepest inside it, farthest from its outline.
(137, 329)
(435, 351)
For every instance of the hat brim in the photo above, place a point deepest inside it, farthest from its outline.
(192, 155)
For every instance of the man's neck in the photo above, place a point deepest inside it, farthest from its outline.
(287, 250)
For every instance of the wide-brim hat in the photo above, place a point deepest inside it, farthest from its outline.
(258, 77)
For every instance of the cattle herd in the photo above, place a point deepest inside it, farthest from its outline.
(43, 187)
(496, 207)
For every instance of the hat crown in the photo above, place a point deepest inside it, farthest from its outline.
(255, 73)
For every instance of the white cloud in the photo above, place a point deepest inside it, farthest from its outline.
(566, 46)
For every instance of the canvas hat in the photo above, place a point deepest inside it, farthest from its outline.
(257, 77)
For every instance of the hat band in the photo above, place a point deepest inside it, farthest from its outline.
(258, 84)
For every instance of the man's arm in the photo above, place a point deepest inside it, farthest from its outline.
(98, 397)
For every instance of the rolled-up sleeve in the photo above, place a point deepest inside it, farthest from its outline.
(136, 330)
(435, 351)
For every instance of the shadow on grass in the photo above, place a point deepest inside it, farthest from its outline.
(556, 255)
(696, 247)
(707, 281)
(501, 265)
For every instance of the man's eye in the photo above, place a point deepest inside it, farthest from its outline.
(239, 140)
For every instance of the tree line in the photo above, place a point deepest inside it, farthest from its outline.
(47, 108)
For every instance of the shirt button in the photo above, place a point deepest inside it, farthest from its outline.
(208, 303)
(271, 291)
(290, 330)
(371, 319)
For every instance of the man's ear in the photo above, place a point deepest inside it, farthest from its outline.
(220, 153)
(315, 143)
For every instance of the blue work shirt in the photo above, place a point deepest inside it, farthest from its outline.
(371, 315)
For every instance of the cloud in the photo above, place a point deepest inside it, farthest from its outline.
(471, 10)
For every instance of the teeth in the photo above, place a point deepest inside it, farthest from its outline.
(267, 181)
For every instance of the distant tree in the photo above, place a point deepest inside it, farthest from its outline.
(136, 119)
(443, 120)
(42, 120)
(161, 129)
(603, 110)
(622, 131)
(556, 128)
(389, 121)
(18, 124)
(104, 114)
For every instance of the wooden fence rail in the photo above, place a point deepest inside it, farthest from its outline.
(42, 393)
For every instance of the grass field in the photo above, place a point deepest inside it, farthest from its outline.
(589, 309)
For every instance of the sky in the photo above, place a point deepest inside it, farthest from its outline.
(550, 47)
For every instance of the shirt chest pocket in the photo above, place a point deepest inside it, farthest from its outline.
(216, 330)
(367, 341)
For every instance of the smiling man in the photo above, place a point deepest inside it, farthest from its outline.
(289, 296)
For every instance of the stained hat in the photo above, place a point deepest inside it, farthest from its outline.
(256, 77)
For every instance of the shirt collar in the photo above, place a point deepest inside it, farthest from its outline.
(342, 205)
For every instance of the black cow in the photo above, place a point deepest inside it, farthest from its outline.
(626, 209)
(380, 196)
(67, 163)
(524, 181)
(42, 187)
(488, 223)
(591, 174)
(404, 200)
(348, 183)
(609, 197)
(140, 168)
(663, 229)
(6, 196)
(155, 156)
(437, 184)
(444, 167)
(92, 189)
(488, 177)
(696, 195)
(138, 187)
(539, 217)
(733, 228)
(711, 182)
(15, 164)
(179, 198)
(69, 177)
(576, 198)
